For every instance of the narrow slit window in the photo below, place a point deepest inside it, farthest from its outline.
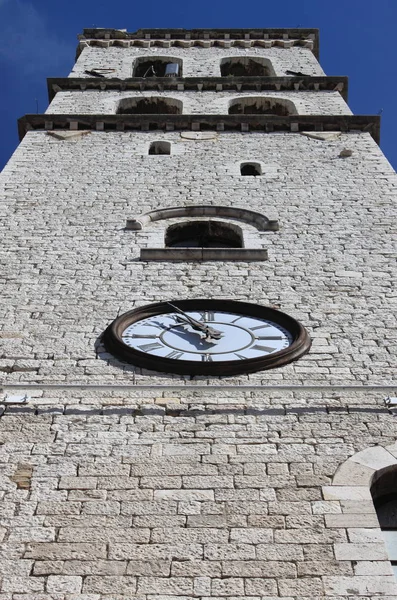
(157, 148)
(251, 169)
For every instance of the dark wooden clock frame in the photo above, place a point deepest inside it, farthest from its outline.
(114, 344)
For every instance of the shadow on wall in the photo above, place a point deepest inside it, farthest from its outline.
(256, 105)
(149, 106)
(245, 66)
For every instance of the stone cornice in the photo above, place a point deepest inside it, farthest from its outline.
(235, 84)
(195, 122)
(130, 40)
(199, 84)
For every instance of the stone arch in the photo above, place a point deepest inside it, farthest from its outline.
(157, 66)
(149, 105)
(262, 105)
(258, 220)
(350, 505)
(360, 469)
(246, 66)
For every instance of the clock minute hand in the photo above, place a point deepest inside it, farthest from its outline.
(209, 331)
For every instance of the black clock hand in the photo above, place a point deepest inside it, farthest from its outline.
(204, 335)
(210, 332)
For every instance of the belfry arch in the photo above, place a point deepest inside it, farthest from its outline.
(149, 105)
(262, 105)
(246, 66)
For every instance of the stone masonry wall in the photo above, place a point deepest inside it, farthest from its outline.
(70, 266)
(106, 102)
(227, 495)
(119, 483)
(197, 62)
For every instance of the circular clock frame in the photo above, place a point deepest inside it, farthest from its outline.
(115, 345)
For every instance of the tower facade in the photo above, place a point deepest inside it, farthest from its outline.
(198, 328)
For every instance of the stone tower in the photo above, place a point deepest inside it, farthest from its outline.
(203, 180)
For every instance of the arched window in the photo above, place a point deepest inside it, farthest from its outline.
(160, 148)
(149, 105)
(204, 234)
(250, 169)
(384, 494)
(157, 66)
(259, 105)
(246, 66)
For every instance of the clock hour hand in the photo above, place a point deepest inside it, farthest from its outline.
(211, 334)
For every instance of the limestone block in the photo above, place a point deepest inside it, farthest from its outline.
(372, 551)
(375, 458)
(351, 473)
(346, 492)
(57, 584)
(360, 586)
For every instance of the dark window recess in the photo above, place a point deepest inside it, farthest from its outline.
(149, 106)
(261, 106)
(244, 67)
(250, 169)
(204, 234)
(160, 148)
(384, 494)
(158, 67)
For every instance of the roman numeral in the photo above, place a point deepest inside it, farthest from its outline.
(262, 348)
(138, 335)
(174, 354)
(150, 347)
(207, 316)
(206, 358)
(240, 356)
(270, 337)
(259, 326)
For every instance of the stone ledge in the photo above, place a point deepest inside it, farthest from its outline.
(290, 35)
(195, 122)
(139, 84)
(203, 254)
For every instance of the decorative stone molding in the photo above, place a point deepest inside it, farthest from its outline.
(358, 471)
(259, 84)
(194, 122)
(261, 222)
(305, 43)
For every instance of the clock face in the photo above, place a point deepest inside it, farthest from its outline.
(206, 337)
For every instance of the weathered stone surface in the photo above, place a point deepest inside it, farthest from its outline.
(198, 488)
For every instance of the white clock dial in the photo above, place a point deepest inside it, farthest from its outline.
(178, 335)
(206, 337)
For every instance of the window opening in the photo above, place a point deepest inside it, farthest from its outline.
(384, 494)
(158, 66)
(149, 106)
(250, 169)
(243, 66)
(204, 234)
(160, 148)
(262, 106)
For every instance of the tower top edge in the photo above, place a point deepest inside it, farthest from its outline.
(109, 33)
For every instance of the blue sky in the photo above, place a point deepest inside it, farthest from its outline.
(38, 40)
